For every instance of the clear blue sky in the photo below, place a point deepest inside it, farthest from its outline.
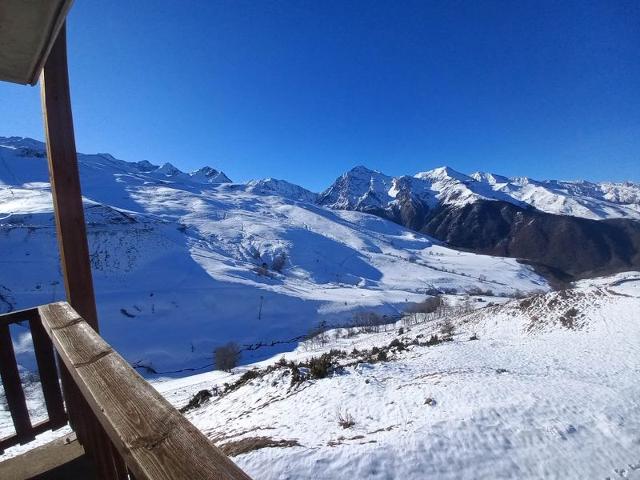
(304, 90)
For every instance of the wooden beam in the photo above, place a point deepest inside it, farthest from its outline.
(65, 182)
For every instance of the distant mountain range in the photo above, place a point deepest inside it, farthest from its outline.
(567, 230)
(364, 189)
(262, 261)
(183, 262)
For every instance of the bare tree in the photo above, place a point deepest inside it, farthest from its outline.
(227, 356)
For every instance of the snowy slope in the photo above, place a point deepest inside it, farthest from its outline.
(550, 389)
(367, 190)
(183, 263)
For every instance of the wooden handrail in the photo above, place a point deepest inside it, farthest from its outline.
(151, 436)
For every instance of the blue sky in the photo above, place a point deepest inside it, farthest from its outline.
(304, 90)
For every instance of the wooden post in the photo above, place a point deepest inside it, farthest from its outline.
(72, 241)
(65, 182)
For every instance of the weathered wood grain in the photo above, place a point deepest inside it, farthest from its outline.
(60, 318)
(153, 438)
(49, 381)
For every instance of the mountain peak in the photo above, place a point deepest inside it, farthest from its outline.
(209, 175)
(442, 173)
(490, 178)
(169, 170)
(362, 170)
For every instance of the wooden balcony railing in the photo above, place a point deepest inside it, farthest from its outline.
(125, 426)
(25, 431)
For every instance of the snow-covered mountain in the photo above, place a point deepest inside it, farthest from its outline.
(182, 264)
(569, 230)
(596, 201)
(282, 188)
(364, 190)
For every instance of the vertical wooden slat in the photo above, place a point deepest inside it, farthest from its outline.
(13, 387)
(45, 358)
(65, 182)
(89, 432)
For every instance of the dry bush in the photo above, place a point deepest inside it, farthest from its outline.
(447, 328)
(345, 420)
(322, 366)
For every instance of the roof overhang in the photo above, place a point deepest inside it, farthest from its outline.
(28, 29)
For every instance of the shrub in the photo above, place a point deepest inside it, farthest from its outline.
(197, 400)
(296, 375)
(248, 376)
(320, 367)
(227, 356)
(433, 340)
(345, 420)
(382, 356)
(567, 320)
(447, 328)
(397, 344)
(473, 337)
(317, 335)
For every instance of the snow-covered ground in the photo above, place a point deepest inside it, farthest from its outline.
(546, 386)
(185, 262)
(550, 389)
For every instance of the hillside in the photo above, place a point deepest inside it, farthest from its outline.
(548, 389)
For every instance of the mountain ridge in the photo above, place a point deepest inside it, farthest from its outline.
(182, 266)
